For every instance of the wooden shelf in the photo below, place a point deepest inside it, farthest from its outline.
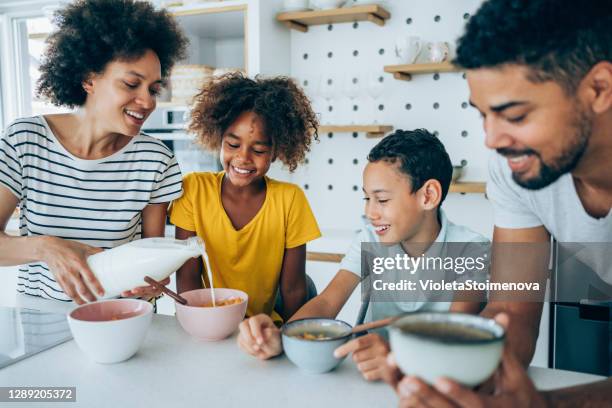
(203, 8)
(324, 257)
(300, 20)
(404, 72)
(371, 131)
(468, 187)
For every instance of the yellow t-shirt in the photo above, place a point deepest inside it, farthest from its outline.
(249, 259)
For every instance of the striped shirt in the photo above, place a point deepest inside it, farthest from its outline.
(96, 202)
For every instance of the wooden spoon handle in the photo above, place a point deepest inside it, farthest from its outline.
(165, 290)
(374, 325)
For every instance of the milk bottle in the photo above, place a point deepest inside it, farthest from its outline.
(124, 267)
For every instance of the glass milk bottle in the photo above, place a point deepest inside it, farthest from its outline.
(124, 267)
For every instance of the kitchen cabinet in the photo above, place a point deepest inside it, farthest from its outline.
(236, 34)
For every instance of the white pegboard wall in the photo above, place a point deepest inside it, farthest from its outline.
(332, 178)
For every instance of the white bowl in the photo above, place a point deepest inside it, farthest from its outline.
(110, 331)
(327, 4)
(469, 362)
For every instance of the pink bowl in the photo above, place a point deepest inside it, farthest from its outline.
(211, 323)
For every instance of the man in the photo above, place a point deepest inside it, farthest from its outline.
(540, 73)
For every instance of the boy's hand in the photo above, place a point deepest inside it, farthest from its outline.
(369, 353)
(260, 337)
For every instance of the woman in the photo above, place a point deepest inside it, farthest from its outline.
(89, 180)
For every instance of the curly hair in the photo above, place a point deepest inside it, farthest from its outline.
(92, 33)
(420, 155)
(284, 109)
(558, 40)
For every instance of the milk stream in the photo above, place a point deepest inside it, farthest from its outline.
(209, 273)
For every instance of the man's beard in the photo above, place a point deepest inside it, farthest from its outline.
(565, 162)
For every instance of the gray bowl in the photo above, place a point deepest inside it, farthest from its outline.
(469, 361)
(315, 356)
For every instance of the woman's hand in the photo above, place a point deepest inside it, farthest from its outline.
(67, 260)
(369, 353)
(260, 337)
(146, 292)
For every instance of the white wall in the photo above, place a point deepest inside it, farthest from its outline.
(322, 54)
(229, 53)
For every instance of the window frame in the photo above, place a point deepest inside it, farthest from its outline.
(14, 82)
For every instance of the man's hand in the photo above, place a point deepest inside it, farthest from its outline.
(512, 388)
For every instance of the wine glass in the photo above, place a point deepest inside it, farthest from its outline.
(353, 84)
(376, 88)
(328, 86)
(309, 84)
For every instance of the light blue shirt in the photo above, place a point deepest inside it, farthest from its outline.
(449, 232)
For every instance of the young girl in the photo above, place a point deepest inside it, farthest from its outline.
(255, 228)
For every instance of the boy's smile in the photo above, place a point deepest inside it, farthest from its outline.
(391, 207)
(381, 229)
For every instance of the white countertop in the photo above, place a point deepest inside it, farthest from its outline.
(172, 369)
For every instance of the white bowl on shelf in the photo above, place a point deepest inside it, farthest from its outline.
(295, 5)
(327, 4)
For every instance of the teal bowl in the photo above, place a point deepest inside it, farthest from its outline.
(315, 356)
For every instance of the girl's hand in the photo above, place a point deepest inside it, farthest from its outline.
(67, 261)
(145, 292)
(260, 337)
(369, 353)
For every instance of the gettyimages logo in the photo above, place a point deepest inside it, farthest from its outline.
(455, 271)
(412, 264)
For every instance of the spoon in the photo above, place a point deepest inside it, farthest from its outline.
(165, 290)
(374, 325)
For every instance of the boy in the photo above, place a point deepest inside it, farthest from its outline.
(405, 182)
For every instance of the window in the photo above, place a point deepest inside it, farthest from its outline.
(30, 34)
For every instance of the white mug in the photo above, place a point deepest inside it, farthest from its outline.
(407, 49)
(295, 5)
(438, 51)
